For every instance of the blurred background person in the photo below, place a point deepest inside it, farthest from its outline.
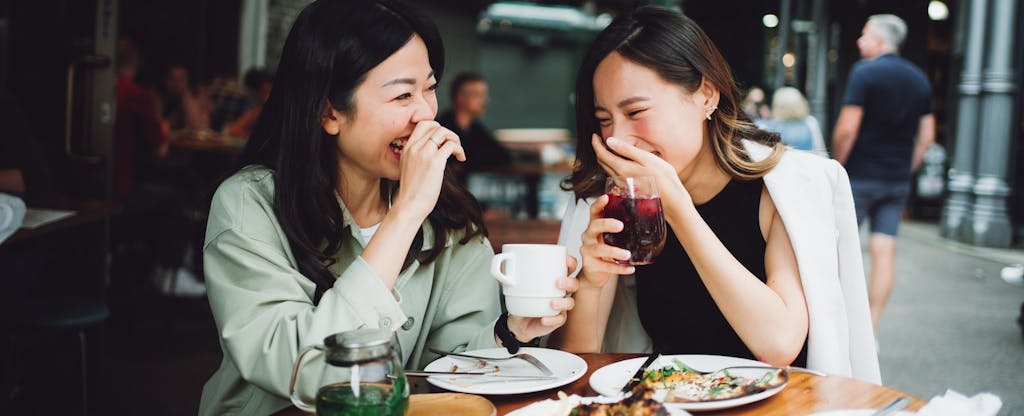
(754, 105)
(791, 118)
(157, 195)
(469, 101)
(178, 105)
(258, 83)
(228, 100)
(883, 130)
(139, 139)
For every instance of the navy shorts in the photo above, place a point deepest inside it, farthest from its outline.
(881, 201)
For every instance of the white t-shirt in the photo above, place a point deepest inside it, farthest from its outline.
(368, 232)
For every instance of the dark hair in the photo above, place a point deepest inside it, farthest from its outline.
(127, 53)
(680, 52)
(461, 79)
(256, 77)
(329, 50)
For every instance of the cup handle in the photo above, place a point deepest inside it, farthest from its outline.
(509, 260)
(292, 390)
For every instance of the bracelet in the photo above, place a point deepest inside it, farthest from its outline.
(508, 339)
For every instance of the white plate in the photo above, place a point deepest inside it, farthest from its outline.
(610, 379)
(858, 412)
(567, 367)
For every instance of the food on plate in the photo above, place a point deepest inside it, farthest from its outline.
(640, 403)
(684, 385)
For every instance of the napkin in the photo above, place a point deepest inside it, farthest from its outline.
(953, 403)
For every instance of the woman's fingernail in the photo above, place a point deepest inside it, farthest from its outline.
(613, 141)
(630, 270)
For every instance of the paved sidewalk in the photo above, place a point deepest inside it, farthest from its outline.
(951, 321)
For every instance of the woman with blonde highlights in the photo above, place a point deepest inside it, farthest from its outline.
(762, 258)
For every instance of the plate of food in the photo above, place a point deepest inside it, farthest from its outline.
(677, 381)
(506, 376)
(565, 405)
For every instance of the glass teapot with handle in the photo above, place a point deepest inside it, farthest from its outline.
(363, 375)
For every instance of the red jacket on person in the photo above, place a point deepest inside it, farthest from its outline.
(137, 134)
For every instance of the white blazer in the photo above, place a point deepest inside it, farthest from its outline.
(812, 195)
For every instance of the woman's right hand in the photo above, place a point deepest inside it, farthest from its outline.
(422, 167)
(598, 258)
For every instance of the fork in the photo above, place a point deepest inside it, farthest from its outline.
(522, 356)
(790, 369)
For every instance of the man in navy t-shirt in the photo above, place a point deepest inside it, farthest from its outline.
(884, 128)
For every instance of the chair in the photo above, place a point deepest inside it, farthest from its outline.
(34, 316)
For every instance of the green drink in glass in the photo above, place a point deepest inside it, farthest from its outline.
(373, 400)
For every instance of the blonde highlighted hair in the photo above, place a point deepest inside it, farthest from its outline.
(680, 52)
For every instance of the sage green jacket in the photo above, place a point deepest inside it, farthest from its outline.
(264, 310)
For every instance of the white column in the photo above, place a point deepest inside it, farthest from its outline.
(252, 35)
(991, 225)
(956, 213)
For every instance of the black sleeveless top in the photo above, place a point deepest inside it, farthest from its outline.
(675, 307)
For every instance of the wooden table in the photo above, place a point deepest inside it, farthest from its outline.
(521, 231)
(71, 253)
(532, 173)
(86, 212)
(207, 141)
(804, 395)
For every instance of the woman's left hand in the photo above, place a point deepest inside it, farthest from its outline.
(526, 329)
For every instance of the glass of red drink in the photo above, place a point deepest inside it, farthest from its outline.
(635, 202)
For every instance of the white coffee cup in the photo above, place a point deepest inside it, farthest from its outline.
(529, 275)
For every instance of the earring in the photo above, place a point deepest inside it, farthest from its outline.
(710, 110)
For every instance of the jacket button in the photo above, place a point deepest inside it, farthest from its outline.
(408, 323)
(385, 323)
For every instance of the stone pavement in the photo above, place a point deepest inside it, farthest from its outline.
(951, 321)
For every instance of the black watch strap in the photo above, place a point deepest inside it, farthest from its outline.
(508, 339)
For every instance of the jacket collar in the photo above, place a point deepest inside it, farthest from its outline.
(353, 229)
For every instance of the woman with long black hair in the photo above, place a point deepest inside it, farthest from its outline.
(343, 214)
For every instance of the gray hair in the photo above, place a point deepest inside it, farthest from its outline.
(890, 28)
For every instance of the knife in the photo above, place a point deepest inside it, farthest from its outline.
(893, 407)
(488, 374)
(639, 375)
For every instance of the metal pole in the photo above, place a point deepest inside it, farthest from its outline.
(817, 71)
(957, 210)
(990, 221)
(785, 20)
(103, 100)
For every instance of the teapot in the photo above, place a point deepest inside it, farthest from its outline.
(363, 375)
